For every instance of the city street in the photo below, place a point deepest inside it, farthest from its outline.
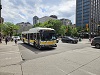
(29, 52)
(69, 29)
(66, 59)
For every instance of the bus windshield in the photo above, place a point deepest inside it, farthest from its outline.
(48, 35)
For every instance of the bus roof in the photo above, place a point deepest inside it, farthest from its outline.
(36, 30)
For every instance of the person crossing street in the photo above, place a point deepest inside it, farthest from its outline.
(6, 40)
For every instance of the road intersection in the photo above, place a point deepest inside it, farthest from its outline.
(66, 59)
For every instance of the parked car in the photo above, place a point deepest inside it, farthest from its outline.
(15, 37)
(96, 42)
(68, 39)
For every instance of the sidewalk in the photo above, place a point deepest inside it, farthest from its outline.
(9, 59)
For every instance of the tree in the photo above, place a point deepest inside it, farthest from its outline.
(74, 32)
(1, 26)
(5, 30)
(71, 31)
(68, 30)
(59, 27)
(37, 25)
(79, 29)
(62, 30)
(55, 24)
(9, 28)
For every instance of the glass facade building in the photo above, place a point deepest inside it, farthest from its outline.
(88, 12)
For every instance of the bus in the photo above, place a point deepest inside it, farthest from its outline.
(40, 37)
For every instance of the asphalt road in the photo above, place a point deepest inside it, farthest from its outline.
(28, 52)
(73, 59)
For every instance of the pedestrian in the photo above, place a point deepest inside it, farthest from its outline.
(6, 40)
(0, 40)
(90, 39)
(15, 41)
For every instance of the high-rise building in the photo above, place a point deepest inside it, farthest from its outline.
(35, 20)
(88, 14)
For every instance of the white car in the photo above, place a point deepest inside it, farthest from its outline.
(15, 37)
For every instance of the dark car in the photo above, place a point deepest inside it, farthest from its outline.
(68, 39)
(96, 42)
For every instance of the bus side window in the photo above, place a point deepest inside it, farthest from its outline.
(34, 36)
(26, 36)
(38, 36)
(22, 35)
(31, 36)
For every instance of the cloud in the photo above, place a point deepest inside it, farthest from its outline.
(23, 10)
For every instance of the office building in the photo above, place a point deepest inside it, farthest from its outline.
(66, 22)
(23, 26)
(45, 19)
(42, 19)
(51, 17)
(88, 14)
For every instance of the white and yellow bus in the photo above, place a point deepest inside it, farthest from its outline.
(40, 37)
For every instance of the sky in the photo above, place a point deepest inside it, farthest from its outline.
(17, 11)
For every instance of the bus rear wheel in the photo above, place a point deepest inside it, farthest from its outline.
(34, 44)
(39, 47)
(23, 41)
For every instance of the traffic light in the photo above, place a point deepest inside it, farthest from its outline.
(87, 27)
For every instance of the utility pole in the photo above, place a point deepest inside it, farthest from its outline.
(0, 8)
(1, 21)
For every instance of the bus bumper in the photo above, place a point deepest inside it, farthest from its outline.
(49, 45)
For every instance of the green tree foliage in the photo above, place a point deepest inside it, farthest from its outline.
(38, 25)
(74, 32)
(9, 28)
(59, 27)
(79, 29)
(71, 31)
(5, 29)
(55, 24)
(62, 30)
(68, 30)
(1, 26)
